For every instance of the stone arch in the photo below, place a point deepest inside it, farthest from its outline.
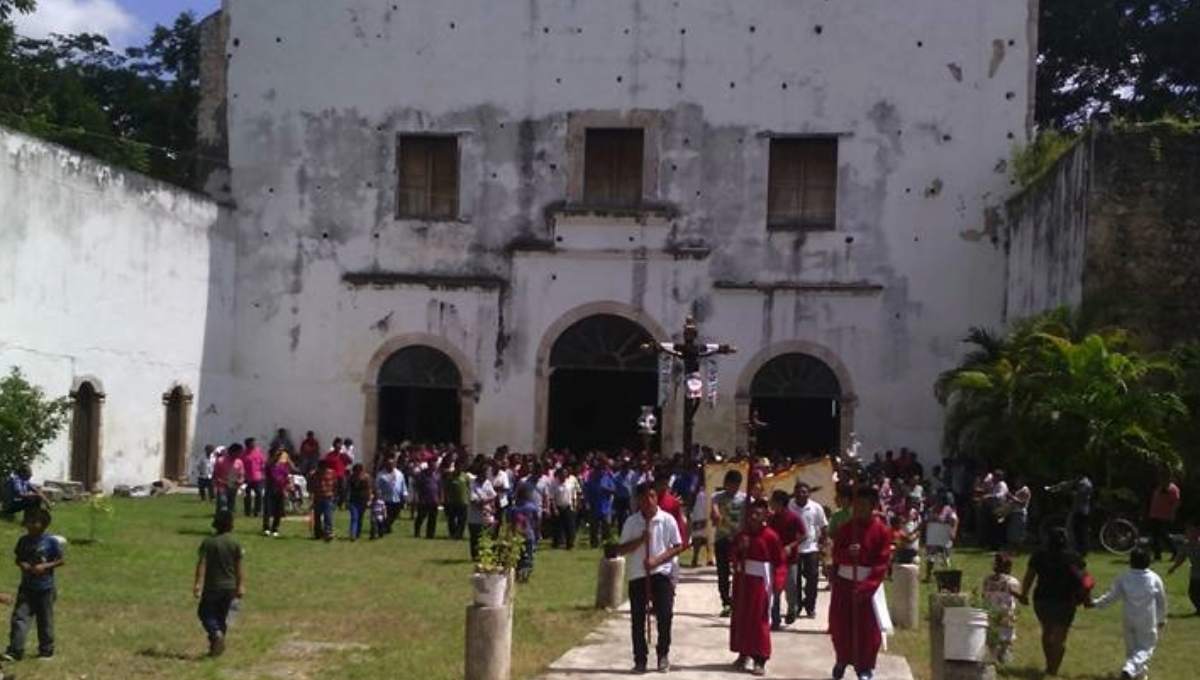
(468, 393)
(177, 404)
(541, 405)
(847, 399)
(87, 400)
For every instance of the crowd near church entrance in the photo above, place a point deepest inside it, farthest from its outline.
(599, 380)
(420, 397)
(85, 435)
(798, 399)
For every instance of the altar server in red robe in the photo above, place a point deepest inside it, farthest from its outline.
(862, 548)
(759, 572)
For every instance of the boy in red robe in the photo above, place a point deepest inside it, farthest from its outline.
(669, 503)
(759, 572)
(862, 549)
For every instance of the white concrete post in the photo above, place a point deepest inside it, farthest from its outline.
(489, 643)
(610, 583)
(906, 579)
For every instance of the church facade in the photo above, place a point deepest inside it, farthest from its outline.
(461, 220)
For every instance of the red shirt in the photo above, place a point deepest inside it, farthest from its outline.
(669, 504)
(337, 463)
(790, 529)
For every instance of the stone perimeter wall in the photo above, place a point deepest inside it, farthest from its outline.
(115, 279)
(1115, 223)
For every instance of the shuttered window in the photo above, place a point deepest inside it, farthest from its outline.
(428, 169)
(802, 184)
(612, 173)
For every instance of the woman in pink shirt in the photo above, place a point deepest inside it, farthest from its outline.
(254, 462)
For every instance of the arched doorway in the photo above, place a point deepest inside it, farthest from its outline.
(85, 435)
(599, 380)
(420, 390)
(175, 433)
(799, 398)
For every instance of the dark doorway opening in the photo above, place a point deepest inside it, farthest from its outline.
(85, 436)
(175, 435)
(797, 396)
(599, 380)
(419, 398)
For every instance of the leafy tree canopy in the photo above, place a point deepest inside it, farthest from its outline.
(1133, 58)
(28, 421)
(136, 109)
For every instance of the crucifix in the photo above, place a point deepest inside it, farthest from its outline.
(690, 352)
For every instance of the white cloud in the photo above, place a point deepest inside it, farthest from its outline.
(105, 17)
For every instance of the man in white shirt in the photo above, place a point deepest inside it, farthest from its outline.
(816, 527)
(651, 539)
(564, 507)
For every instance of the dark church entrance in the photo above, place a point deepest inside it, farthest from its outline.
(419, 398)
(797, 396)
(599, 381)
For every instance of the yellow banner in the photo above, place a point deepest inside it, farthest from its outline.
(818, 474)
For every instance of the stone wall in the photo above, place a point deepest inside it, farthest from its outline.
(1115, 225)
(116, 280)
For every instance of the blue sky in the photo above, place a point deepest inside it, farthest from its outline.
(124, 22)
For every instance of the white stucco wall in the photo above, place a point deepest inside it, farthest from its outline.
(926, 98)
(110, 277)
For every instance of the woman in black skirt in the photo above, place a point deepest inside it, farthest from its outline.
(1057, 571)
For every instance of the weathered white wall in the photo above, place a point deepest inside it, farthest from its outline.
(109, 276)
(1046, 237)
(927, 97)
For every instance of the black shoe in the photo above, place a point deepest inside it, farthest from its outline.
(839, 671)
(789, 619)
(216, 644)
(664, 664)
(639, 668)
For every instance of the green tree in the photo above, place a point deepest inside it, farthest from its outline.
(28, 421)
(135, 109)
(1134, 58)
(1052, 398)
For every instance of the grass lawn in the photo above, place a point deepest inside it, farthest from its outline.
(392, 608)
(1095, 648)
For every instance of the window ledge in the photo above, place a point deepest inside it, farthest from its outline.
(427, 220)
(635, 211)
(800, 225)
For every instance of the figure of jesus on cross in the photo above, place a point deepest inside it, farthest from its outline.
(690, 353)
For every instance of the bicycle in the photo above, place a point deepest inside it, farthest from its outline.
(1111, 527)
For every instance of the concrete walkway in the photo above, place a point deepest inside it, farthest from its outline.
(700, 643)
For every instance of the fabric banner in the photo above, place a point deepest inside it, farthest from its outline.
(711, 377)
(666, 368)
(818, 474)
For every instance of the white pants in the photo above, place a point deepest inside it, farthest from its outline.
(1140, 639)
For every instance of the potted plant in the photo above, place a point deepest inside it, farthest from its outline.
(612, 541)
(497, 559)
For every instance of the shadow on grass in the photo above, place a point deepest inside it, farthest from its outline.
(158, 653)
(449, 560)
(194, 532)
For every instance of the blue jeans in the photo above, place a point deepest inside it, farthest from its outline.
(213, 611)
(323, 518)
(356, 516)
(33, 604)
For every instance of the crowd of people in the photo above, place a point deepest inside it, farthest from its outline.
(770, 551)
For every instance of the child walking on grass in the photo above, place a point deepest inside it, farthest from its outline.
(220, 581)
(1144, 612)
(1001, 590)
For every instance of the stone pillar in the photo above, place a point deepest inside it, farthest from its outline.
(906, 591)
(937, 651)
(489, 643)
(610, 583)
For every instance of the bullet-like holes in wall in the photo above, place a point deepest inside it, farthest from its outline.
(1011, 136)
(558, 81)
(753, 28)
(375, 235)
(620, 79)
(683, 31)
(554, 166)
(266, 234)
(1010, 95)
(494, 175)
(783, 86)
(554, 277)
(849, 240)
(453, 25)
(920, 43)
(818, 29)
(678, 85)
(270, 190)
(732, 84)
(278, 40)
(237, 42)
(946, 138)
(325, 235)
